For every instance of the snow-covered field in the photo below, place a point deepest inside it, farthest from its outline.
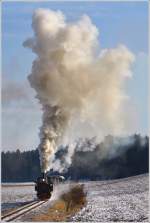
(15, 195)
(122, 200)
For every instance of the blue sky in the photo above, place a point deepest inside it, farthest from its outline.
(118, 23)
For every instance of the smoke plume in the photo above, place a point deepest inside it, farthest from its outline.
(74, 79)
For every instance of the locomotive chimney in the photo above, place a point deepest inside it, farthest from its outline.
(44, 175)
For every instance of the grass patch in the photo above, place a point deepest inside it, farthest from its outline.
(68, 204)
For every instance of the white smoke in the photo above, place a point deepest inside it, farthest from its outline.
(65, 161)
(75, 80)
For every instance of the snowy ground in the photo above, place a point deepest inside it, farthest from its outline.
(124, 200)
(15, 195)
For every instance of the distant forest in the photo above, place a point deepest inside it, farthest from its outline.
(113, 158)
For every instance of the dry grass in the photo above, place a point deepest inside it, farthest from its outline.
(74, 198)
(68, 204)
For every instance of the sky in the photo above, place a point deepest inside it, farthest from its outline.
(118, 23)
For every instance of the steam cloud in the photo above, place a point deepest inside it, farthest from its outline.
(74, 79)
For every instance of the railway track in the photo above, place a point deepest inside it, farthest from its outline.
(21, 211)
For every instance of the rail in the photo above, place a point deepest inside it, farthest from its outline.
(21, 211)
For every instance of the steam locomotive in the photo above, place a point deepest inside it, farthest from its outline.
(44, 185)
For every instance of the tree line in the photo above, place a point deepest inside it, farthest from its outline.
(111, 159)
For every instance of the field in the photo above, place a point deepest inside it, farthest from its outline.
(123, 200)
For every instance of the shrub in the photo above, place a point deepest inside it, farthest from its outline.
(75, 197)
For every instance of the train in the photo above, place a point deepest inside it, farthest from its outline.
(44, 185)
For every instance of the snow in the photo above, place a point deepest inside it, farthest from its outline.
(122, 200)
(16, 195)
(117, 200)
(18, 184)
